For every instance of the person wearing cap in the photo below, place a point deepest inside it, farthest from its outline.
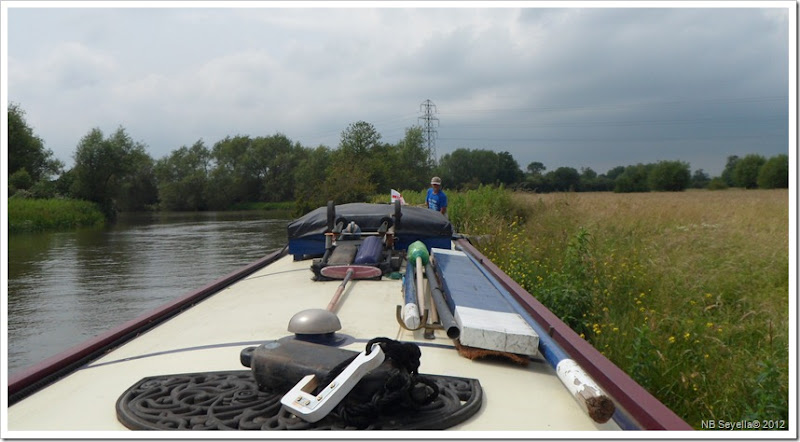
(436, 198)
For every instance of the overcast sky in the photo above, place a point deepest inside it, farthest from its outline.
(566, 85)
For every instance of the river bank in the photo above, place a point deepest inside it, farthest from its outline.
(28, 215)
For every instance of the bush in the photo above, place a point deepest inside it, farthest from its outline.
(20, 179)
(717, 183)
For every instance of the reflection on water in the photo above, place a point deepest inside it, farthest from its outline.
(67, 287)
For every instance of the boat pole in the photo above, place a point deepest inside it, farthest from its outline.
(339, 290)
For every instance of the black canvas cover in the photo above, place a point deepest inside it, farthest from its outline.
(415, 221)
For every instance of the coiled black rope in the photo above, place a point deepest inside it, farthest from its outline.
(404, 389)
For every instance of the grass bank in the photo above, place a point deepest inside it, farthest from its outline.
(37, 215)
(687, 292)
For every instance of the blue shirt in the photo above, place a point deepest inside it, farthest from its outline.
(436, 201)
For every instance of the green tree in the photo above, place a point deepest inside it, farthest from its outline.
(413, 164)
(727, 173)
(344, 184)
(456, 168)
(700, 179)
(356, 168)
(672, 176)
(309, 177)
(271, 162)
(633, 179)
(508, 170)
(469, 168)
(233, 180)
(106, 169)
(26, 150)
(745, 174)
(534, 180)
(588, 179)
(774, 174)
(536, 168)
(564, 179)
(138, 188)
(358, 140)
(183, 178)
(602, 184)
(612, 174)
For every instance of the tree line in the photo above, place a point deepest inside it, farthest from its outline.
(118, 173)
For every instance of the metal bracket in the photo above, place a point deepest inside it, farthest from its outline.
(311, 408)
(423, 321)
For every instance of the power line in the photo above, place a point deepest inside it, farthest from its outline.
(620, 123)
(623, 105)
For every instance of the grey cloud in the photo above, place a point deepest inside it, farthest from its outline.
(578, 87)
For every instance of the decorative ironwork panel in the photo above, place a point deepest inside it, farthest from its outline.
(231, 400)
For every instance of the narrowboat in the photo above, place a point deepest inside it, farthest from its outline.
(372, 317)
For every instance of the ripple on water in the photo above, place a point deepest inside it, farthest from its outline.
(67, 287)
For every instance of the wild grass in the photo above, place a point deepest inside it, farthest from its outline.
(478, 211)
(37, 215)
(688, 292)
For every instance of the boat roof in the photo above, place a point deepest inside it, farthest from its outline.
(207, 330)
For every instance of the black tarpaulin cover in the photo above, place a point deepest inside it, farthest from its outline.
(414, 221)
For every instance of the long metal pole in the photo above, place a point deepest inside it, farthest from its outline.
(445, 316)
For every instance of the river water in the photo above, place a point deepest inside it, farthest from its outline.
(67, 287)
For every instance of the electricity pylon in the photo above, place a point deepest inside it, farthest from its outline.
(428, 130)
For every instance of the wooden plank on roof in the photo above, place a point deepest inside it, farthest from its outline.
(485, 317)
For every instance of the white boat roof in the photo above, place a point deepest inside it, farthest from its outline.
(210, 336)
